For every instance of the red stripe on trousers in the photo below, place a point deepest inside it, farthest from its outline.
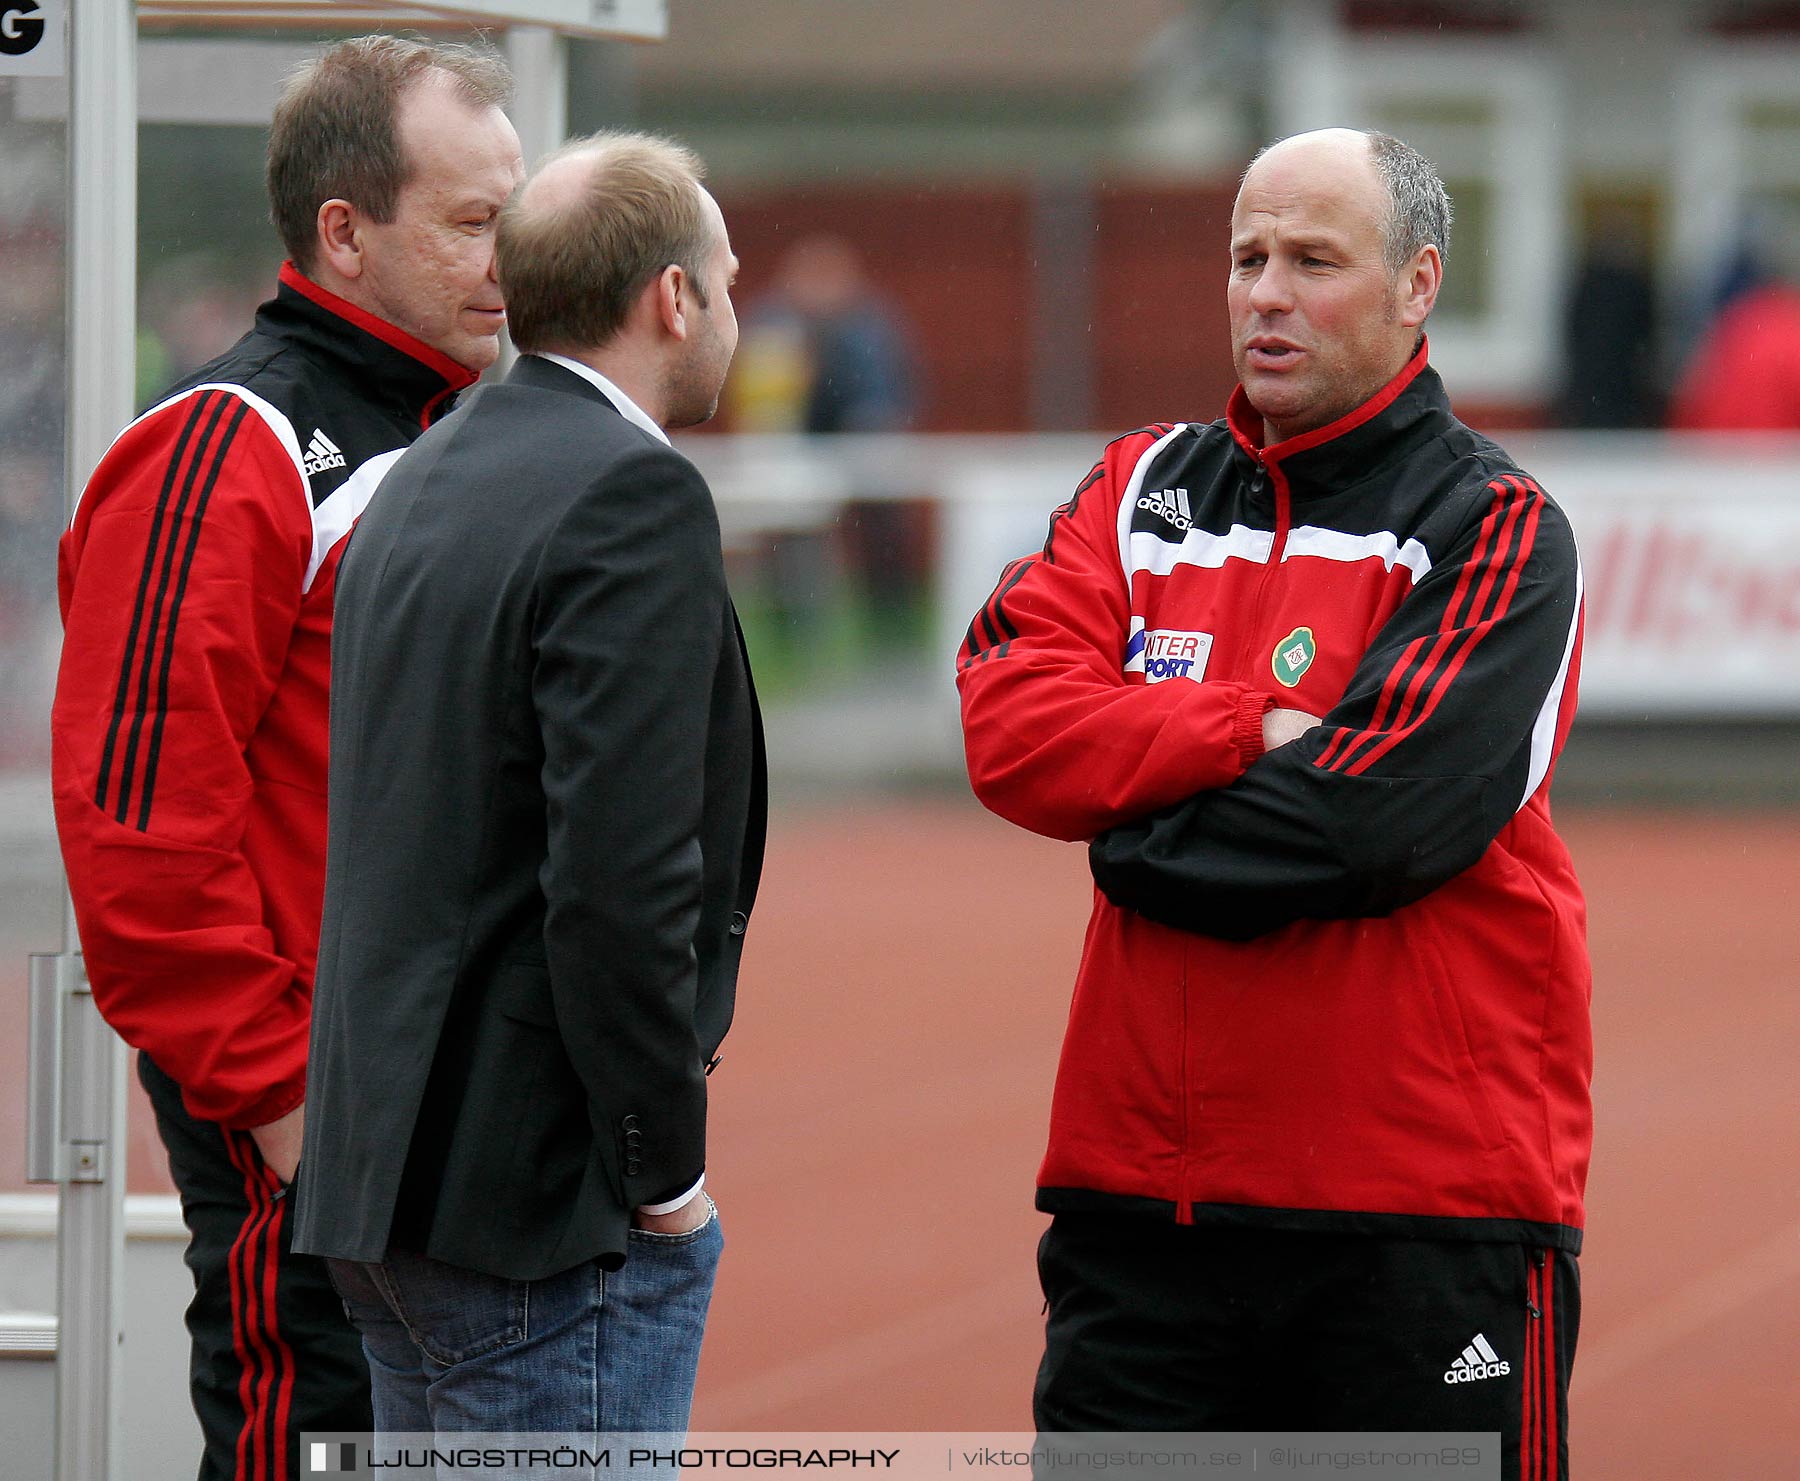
(284, 1372)
(1548, 1305)
(251, 1269)
(240, 1332)
(1527, 1454)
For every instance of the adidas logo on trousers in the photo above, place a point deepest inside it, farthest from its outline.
(1478, 1360)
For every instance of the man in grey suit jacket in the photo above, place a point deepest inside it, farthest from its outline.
(546, 827)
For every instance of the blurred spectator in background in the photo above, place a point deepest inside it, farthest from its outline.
(1610, 330)
(31, 468)
(1745, 374)
(191, 308)
(825, 353)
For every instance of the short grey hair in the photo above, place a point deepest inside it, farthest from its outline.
(1418, 205)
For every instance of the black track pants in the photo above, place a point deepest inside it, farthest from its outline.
(1155, 1326)
(273, 1352)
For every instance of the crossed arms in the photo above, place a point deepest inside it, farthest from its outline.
(1200, 819)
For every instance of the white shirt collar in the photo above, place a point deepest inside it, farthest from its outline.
(622, 403)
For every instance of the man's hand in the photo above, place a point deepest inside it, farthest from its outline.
(279, 1142)
(690, 1216)
(1281, 726)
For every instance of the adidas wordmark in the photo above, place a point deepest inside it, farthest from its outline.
(1478, 1360)
(1171, 505)
(322, 453)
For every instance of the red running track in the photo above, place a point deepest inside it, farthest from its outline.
(879, 1114)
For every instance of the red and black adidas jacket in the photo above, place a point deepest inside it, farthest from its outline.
(189, 731)
(1342, 985)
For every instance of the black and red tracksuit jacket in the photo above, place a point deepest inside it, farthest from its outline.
(189, 731)
(1342, 985)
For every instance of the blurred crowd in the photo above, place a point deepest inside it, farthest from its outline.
(31, 444)
(1737, 366)
(824, 351)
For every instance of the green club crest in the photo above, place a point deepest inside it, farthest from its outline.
(1293, 656)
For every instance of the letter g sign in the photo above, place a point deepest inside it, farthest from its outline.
(21, 27)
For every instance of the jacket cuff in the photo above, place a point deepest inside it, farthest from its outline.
(272, 1105)
(1247, 733)
(670, 1204)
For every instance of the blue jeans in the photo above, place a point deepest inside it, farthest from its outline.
(582, 1352)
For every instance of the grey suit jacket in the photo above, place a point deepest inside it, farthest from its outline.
(547, 810)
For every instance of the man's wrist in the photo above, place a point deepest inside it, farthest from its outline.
(669, 1205)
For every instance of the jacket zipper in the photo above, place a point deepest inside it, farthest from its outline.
(1277, 545)
(1184, 1200)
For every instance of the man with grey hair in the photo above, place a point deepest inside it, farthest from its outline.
(547, 814)
(1300, 676)
(189, 729)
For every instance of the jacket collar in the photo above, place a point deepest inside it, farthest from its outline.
(615, 397)
(409, 375)
(1412, 405)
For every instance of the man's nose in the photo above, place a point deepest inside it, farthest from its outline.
(1272, 292)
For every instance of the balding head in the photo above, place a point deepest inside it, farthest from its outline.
(1417, 207)
(596, 222)
(1345, 148)
(561, 182)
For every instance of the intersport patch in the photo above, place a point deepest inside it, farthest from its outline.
(1167, 653)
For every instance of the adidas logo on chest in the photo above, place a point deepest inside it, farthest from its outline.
(322, 453)
(1171, 506)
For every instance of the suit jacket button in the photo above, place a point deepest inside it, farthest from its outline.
(630, 1123)
(739, 922)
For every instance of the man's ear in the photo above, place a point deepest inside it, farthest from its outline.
(1419, 284)
(339, 236)
(673, 300)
